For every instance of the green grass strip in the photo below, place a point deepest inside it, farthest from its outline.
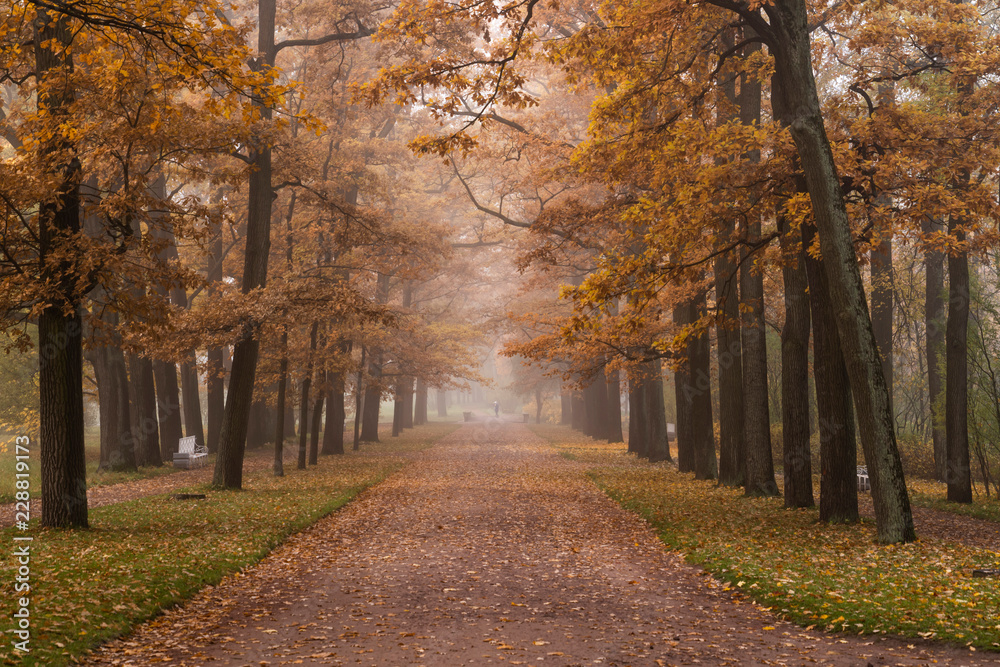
(827, 576)
(140, 557)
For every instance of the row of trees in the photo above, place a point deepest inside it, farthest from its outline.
(176, 208)
(669, 156)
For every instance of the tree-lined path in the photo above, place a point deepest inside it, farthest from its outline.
(488, 549)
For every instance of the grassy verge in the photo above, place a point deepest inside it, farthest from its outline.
(142, 556)
(924, 493)
(94, 478)
(833, 577)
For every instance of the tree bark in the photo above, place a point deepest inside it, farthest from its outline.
(683, 394)
(732, 453)
(882, 293)
(796, 454)
(702, 425)
(788, 37)
(232, 439)
(838, 495)
(60, 330)
(934, 320)
(278, 464)
(441, 399)
(657, 442)
(958, 474)
(142, 394)
(397, 410)
(407, 401)
(638, 442)
(565, 407)
(420, 404)
(304, 399)
(614, 392)
(317, 422)
(333, 433)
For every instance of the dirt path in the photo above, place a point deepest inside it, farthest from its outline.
(488, 549)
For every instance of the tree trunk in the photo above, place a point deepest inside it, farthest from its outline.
(658, 444)
(216, 385)
(232, 439)
(142, 394)
(358, 389)
(333, 433)
(732, 453)
(637, 426)
(278, 465)
(934, 319)
(420, 404)
(702, 425)
(304, 399)
(191, 399)
(796, 455)
(614, 406)
(565, 407)
(789, 42)
(578, 411)
(756, 412)
(683, 394)
(397, 410)
(317, 423)
(441, 399)
(60, 330)
(838, 495)
(407, 401)
(958, 474)
(168, 408)
(882, 290)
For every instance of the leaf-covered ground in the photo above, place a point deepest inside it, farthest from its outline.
(144, 554)
(490, 549)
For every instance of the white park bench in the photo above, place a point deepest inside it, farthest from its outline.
(864, 484)
(189, 453)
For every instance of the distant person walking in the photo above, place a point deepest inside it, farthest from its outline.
(496, 408)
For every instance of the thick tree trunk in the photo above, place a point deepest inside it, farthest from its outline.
(168, 408)
(614, 406)
(657, 443)
(958, 473)
(732, 450)
(60, 330)
(934, 320)
(142, 394)
(317, 423)
(191, 399)
(278, 464)
(232, 439)
(702, 425)
(732, 453)
(398, 405)
(578, 411)
(407, 401)
(756, 412)
(838, 495)
(216, 384)
(637, 427)
(882, 291)
(333, 433)
(304, 399)
(420, 404)
(684, 392)
(789, 42)
(441, 399)
(358, 399)
(796, 455)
